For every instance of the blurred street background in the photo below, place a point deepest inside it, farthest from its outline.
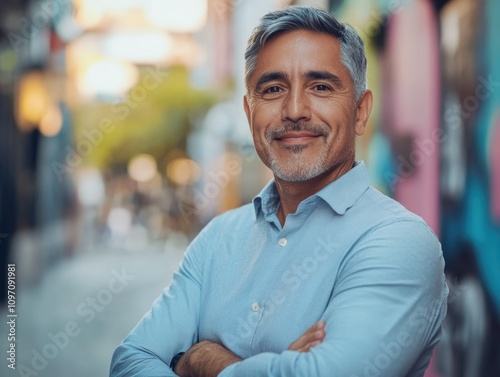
(122, 133)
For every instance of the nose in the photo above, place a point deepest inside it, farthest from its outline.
(296, 106)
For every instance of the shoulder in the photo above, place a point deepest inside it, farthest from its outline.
(375, 213)
(386, 207)
(215, 234)
(229, 221)
(244, 215)
(392, 234)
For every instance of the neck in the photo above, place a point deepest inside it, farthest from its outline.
(293, 193)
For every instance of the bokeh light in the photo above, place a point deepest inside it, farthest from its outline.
(119, 221)
(90, 187)
(51, 123)
(138, 47)
(177, 16)
(32, 100)
(142, 168)
(183, 171)
(107, 77)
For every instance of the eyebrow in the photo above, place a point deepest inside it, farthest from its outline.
(311, 75)
(325, 75)
(270, 76)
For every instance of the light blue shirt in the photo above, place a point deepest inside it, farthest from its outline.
(349, 256)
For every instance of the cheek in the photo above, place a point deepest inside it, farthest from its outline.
(263, 116)
(338, 110)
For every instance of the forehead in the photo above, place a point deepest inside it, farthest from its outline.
(300, 51)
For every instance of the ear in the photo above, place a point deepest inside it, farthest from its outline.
(363, 112)
(246, 106)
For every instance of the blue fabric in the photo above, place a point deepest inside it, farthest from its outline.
(349, 255)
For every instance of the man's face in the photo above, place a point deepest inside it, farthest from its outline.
(301, 107)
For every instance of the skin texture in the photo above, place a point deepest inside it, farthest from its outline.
(205, 359)
(304, 120)
(303, 114)
(208, 359)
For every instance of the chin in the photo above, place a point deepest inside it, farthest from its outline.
(297, 176)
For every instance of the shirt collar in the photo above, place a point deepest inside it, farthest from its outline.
(267, 200)
(340, 195)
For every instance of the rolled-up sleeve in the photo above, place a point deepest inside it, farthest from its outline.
(384, 316)
(171, 326)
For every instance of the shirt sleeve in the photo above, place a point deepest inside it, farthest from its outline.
(171, 326)
(385, 314)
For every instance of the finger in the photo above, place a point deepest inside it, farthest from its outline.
(311, 345)
(308, 346)
(314, 333)
(303, 340)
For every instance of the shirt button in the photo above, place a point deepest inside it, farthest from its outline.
(255, 307)
(282, 242)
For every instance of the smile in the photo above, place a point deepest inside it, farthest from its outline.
(297, 138)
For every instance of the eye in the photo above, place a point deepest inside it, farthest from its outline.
(322, 88)
(273, 89)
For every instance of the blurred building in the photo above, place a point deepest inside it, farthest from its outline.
(433, 69)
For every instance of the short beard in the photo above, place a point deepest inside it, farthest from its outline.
(294, 169)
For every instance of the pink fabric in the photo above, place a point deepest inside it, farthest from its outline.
(414, 77)
(431, 370)
(495, 170)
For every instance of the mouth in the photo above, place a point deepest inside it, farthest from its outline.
(297, 137)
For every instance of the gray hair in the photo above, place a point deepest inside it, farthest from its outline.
(312, 19)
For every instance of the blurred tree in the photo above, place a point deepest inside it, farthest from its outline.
(155, 117)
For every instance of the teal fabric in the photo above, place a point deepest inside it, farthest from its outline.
(479, 225)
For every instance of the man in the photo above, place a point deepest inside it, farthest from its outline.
(321, 275)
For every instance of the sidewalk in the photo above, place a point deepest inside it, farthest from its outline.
(69, 323)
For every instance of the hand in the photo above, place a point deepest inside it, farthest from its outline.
(311, 338)
(182, 368)
(205, 359)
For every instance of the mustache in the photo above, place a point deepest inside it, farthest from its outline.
(318, 129)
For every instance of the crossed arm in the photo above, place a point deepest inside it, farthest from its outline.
(386, 308)
(208, 359)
